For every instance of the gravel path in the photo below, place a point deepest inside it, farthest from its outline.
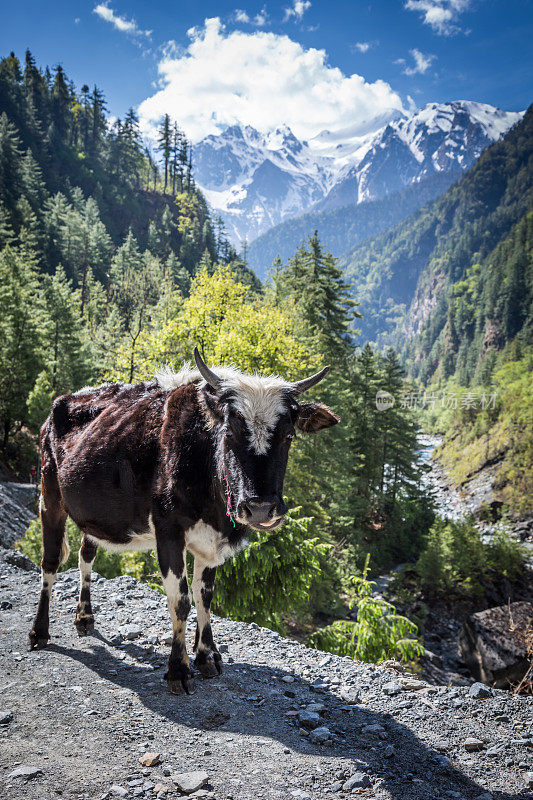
(76, 718)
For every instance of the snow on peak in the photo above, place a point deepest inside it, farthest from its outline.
(257, 179)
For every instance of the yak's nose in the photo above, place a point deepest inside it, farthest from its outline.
(257, 512)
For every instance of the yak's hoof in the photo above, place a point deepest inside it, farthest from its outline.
(184, 682)
(208, 664)
(37, 641)
(84, 625)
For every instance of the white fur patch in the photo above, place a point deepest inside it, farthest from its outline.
(47, 581)
(142, 541)
(259, 398)
(206, 543)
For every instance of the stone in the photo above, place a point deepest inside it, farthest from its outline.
(410, 684)
(149, 759)
(161, 787)
(351, 696)
(392, 688)
(389, 751)
(309, 719)
(358, 780)
(528, 780)
(25, 771)
(372, 730)
(130, 632)
(479, 691)
(119, 791)
(287, 679)
(318, 708)
(189, 782)
(5, 717)
(471, 745)
(492, 645)
(320, 735)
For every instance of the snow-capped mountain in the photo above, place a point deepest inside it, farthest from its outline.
(256, 181)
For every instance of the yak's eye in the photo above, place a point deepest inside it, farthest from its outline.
(290, 437)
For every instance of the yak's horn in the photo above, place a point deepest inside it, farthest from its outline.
(209, 376)
(307, 383)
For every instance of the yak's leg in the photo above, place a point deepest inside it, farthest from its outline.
(208, 659)
(84, 621)
(171, 555)
(55, 550)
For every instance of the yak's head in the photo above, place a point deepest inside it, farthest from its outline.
(254, 419)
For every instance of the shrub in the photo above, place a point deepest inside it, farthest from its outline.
(379, 632)
(456, 560)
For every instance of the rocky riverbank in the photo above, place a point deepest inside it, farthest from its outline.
(283, 721)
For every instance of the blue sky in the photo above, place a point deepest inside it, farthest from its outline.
(310, 63)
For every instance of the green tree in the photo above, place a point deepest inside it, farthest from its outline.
(21, 354)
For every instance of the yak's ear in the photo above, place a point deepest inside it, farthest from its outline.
(312, 417)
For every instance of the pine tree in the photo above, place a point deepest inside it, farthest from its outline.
(165, 146)
(21, 354)
(60, 106)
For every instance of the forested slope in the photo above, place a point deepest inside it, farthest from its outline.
(349, 224)
(409, 280)
(93, 235)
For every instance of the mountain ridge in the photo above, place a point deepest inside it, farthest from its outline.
(255, 181)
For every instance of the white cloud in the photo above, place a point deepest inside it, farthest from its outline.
(122, 24)
(298, 9)
(441, 15)
(260, 19)
(422, 62)
(363, 47)
(261, 79)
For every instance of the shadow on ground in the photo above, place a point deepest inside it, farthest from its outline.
(415, 770)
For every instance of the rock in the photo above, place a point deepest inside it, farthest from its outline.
(320, 735)
(318, 708)
(309, 719)
(528, 780)
(287, 679)
(492, 645)
(130, 632)
(300, 794)
(410, 684)
(471, 745)
(25, 771)
(479, 691)
(5, 717)
(161, 787)
(5, 605)
(359, 780)
(351, 696)
(149, 759)
(389, 751)
(392, 688)
(20, 560)
(189, 782)
(119, 791)
(372, 730)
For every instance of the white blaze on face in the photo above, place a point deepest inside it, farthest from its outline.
(261, 401)
(259, 398)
